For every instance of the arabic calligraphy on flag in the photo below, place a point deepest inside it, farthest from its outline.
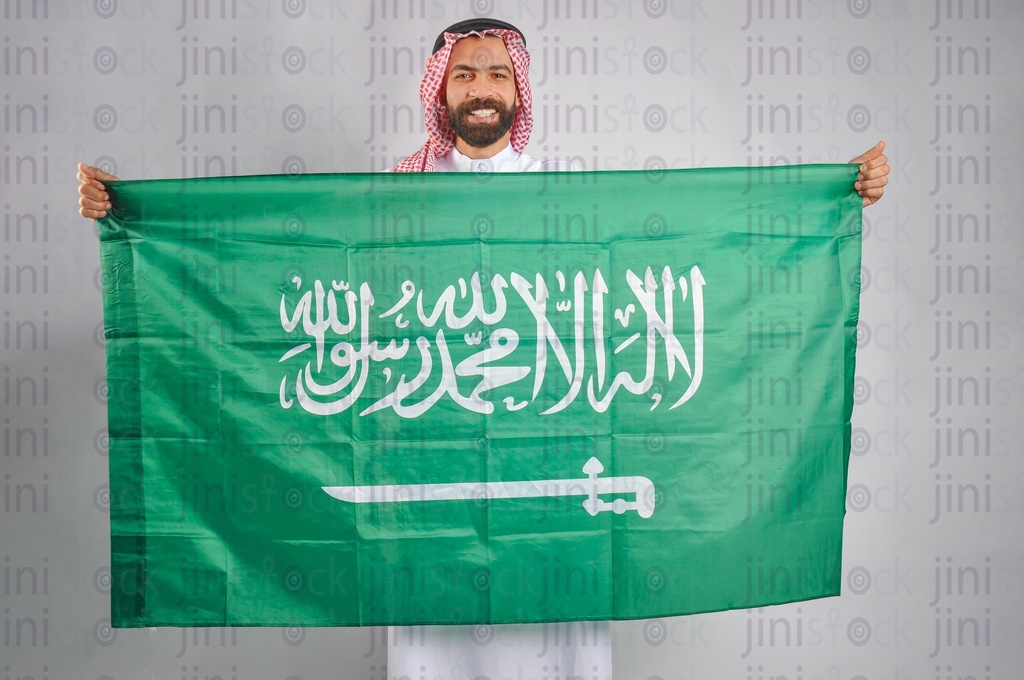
(505, 359)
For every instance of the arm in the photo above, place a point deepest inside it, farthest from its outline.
(94, 200)
(873, 175)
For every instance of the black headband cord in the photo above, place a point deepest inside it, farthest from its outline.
(480, 24)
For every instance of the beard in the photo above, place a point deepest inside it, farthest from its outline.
(481, 135)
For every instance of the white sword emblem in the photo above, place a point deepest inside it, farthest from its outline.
(592, 487)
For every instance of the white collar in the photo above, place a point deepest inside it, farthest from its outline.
(463, 163)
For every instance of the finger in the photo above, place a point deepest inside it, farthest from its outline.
(90, 192)
(871, 183)
(90, 203)
(864, 157)
(87, 173)
(874, 173)
(85, 180)
(92, 171)
(874, 163)
(873, 193)
(92, 199)
(871, 153)
(91, 212)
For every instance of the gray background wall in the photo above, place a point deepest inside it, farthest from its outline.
(933, 551)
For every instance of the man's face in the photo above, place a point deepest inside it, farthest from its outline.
(480, 90)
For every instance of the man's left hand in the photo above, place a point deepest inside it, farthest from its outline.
(873, 175)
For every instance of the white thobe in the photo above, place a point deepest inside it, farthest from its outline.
(530, 651)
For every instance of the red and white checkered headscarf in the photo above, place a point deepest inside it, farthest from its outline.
(441, 137)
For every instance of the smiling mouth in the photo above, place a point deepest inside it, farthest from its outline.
(483, 113)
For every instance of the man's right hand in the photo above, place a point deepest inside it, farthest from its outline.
(94, 199)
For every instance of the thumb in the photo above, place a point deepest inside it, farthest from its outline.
(96, 173)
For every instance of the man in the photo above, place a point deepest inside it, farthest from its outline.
(478, 113)
(477, 103)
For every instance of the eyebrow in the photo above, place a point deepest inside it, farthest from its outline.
(495, 67)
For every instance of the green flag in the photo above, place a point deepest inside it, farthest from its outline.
(456, 398)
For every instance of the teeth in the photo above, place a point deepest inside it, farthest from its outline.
(483, 112)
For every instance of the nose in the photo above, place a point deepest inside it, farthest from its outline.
(481, 89)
